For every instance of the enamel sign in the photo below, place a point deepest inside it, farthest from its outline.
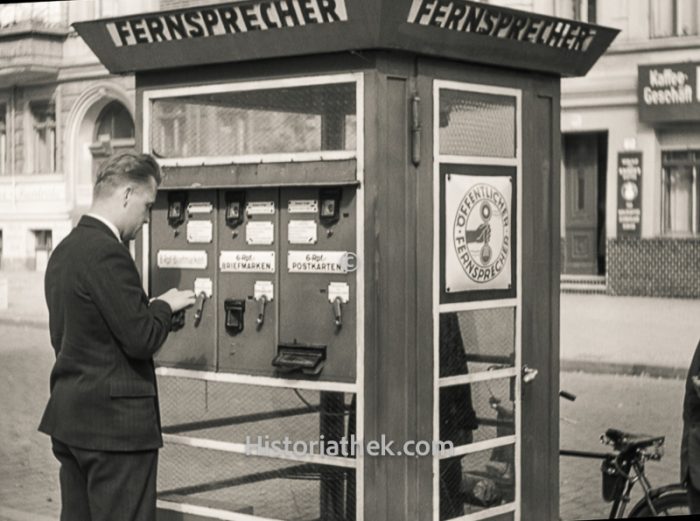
(478, 232)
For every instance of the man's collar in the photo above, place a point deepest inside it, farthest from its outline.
(107, 223)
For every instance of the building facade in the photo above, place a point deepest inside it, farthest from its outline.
(631, 151)
(60, 114)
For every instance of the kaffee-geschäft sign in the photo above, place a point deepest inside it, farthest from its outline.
(668, 92)
(478, 232)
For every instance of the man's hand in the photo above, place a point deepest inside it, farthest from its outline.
(178, 299)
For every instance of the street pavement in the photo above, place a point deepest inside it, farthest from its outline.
(638, 404)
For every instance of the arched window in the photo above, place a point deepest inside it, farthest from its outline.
(114, 122)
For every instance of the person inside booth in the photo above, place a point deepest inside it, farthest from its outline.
(457, 416)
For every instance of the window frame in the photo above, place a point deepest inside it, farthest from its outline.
(693, 161)
(49, 149)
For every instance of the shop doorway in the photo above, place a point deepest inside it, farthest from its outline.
(585, 159)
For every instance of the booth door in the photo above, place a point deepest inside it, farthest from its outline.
(501, 431)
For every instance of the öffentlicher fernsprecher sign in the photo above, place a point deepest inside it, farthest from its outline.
(478, 232)
(226, 19)
(668, 92)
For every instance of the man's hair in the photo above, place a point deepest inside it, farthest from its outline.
(121, 169)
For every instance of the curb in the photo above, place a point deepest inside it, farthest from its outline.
(26, 322)
(653, 371)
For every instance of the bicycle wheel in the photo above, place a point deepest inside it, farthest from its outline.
(671, 504)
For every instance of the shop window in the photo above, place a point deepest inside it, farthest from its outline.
(44, 134)
(680, 192)
(674, 18)
(3, 141)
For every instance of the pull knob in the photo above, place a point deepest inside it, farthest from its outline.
(199, 307)
(262, 301)
(338, 312)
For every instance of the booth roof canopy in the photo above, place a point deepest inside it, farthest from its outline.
(257, 29)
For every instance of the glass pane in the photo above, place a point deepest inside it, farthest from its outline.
(478, 340)
(255, 414)
(679, 197)
(476, 124)
(265, 487)
(282, 120)
(477, 481)
(477, 412)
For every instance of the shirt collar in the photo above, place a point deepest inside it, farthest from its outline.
(107, 223)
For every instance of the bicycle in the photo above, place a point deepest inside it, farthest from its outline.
(624, 467)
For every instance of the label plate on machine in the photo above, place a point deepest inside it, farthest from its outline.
(303, 206)
(182, 259)
(260, 208)
(199, 232)
(317, 262)
(302, 232)
(247, 261)
(260, 232)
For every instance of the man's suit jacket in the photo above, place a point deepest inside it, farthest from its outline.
(690, 440)
(104, 332)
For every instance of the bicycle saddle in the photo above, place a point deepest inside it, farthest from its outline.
(627, 440)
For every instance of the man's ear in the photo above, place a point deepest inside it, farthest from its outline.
(128, 192)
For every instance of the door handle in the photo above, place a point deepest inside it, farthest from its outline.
(528, 374)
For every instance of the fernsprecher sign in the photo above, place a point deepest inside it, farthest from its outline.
(474, 17)
(241, 17)
(478, 232)
(669, 92)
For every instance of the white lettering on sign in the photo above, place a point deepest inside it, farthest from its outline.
(668, 87)
(182, 259)
(260, 232)
(247, 261)
(241, 17)
(303, 206)
(200, 232)
(487, 20)
(317, 261)
(302, 232)
(260, 208)
(479, 238)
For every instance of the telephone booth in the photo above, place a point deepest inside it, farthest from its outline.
(364, 195)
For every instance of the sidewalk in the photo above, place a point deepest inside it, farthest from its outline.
(628, 335)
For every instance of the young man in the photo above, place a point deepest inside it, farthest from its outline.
(103, 415)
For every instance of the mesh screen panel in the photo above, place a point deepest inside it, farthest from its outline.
(477, 412)
(259, 486)
(282, 120)
(475, 482)
(233, 412)
(476, 124)
(474, 341)
(262, 486)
